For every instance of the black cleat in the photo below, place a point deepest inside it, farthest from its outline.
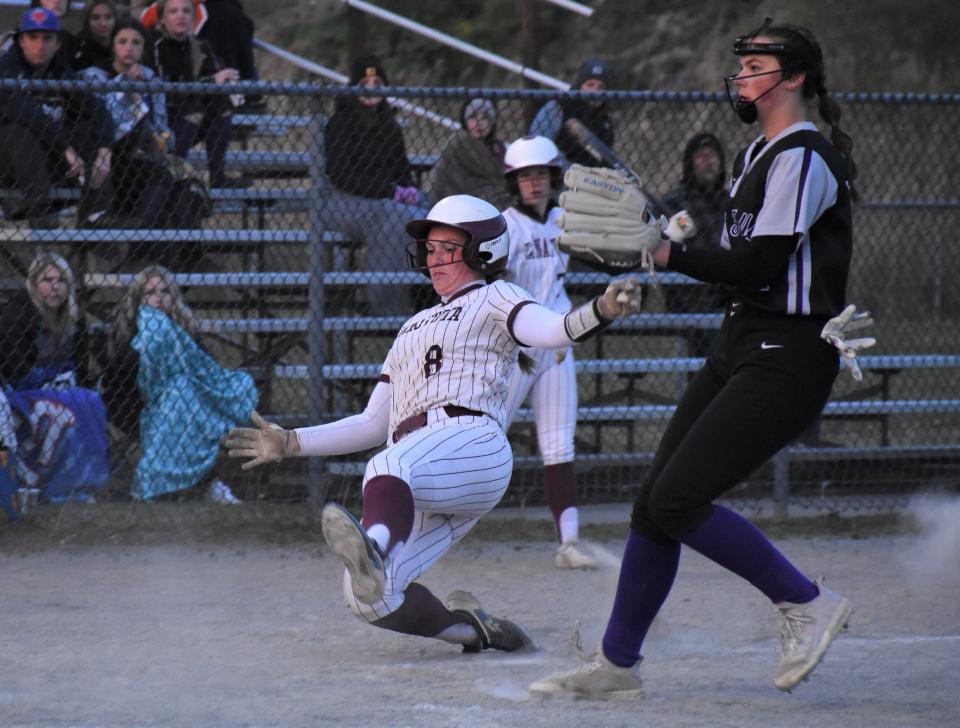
(495, 633)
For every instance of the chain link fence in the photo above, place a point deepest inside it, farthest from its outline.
(162, 277)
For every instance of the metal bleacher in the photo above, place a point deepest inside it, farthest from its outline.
(238, 303)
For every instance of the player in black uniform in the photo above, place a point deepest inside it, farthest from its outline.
(784, 256)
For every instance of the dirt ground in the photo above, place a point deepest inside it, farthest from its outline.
(191, 634)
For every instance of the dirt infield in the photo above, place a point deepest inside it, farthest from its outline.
(167, 634)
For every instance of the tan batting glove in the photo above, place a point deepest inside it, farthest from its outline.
(621, 298)
(679, 227)
(269, 443)
(605, 217)
(839, 327)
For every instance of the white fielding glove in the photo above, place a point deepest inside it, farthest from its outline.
(680, 226)
(839, 327)
(605, 219)
(622, 297)
(269, 443)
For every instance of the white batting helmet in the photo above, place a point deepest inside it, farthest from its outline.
(487, 244)
(532, 151)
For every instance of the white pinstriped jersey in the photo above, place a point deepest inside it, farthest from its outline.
(535, 263)
(461, 352)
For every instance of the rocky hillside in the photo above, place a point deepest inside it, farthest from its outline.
(870, 45)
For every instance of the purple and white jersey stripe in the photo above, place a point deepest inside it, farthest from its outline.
(790, 186)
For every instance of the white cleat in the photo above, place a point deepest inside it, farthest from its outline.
(806, 631)
(219, 492)
(596, 679)
(568, 556)
(359, 553)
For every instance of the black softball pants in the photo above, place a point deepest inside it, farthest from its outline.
(765, 381)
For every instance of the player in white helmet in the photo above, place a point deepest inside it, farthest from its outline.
(440, 407)
(534, 170)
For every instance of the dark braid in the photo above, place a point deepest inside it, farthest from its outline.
(806, 57)
(830, 112)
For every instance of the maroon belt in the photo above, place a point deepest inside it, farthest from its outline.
(417, 421)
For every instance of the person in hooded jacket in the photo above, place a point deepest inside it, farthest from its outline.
(373, 192)
(472, 162)
(703, 193)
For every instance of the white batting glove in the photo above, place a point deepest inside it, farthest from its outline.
(269, 443)
(621, 298)
(680, 226)
(839, 327)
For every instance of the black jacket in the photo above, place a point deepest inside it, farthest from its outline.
(83, 123)
(20, 324)
(596, 119)
(187, 60)
(366, 154)
(90, 53)
(119, 391)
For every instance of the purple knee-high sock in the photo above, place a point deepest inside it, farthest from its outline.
(646, 575)
(737, 545)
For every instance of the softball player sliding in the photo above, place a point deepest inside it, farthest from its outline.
(440, 406)
(533, 173)
(785, 256)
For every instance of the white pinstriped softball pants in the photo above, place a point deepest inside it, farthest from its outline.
(552, 388)
(458, 469)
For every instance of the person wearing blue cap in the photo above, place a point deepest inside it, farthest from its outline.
(50, 135)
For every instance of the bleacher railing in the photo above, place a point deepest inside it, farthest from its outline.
(289, 252)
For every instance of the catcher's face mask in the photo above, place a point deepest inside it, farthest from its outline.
(747, 45)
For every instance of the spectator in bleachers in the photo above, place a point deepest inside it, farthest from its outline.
(374, 195)
(230, 31)
(180, 56)
(702, 192)
(45, 372)
(93, 40)
(550, 121)
(161, 385)
(51, 135)
(68, 43)
(147, 180)
(472, 162)
(222, 23)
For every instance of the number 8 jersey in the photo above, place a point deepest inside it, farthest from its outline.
(459, 352)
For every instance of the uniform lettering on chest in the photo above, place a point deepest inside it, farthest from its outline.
(539, 248)
(444, 314)
(741, 224)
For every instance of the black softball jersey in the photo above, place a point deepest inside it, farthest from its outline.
(787, 229)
